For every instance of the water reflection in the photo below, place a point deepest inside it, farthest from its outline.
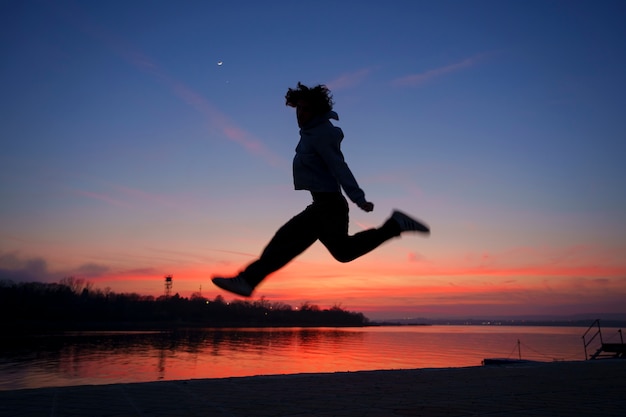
(101, 358)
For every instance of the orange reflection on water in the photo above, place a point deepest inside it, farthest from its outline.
(102, 358)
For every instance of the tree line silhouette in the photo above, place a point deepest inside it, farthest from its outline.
(73, 304)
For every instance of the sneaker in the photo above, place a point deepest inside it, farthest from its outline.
(236, 285)
(407, 223)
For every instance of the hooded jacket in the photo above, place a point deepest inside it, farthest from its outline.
(319, 165)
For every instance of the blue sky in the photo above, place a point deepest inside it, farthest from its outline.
(129, 152)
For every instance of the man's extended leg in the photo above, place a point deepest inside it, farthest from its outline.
(293, 238)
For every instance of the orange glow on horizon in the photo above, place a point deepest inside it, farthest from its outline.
(368, 286)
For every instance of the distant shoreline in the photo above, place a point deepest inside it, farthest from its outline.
(495, 323)
(36, 328)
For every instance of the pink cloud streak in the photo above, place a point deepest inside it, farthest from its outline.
(216, 118)
(414, 80)
(101, 197)
(142, 62)
(125, 197)
(349, 80)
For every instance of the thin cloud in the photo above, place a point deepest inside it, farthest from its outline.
(349, 80)
(415, 80)
(101, 197)
(17, 268)
(92, 270)
(125, 197)
(143, 196)
(216, 118)
(148, 273)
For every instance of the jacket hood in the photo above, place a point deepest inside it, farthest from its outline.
(321, 119)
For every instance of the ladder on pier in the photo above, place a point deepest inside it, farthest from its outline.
(604, 350)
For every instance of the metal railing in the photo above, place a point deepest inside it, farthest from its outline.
(598, 333)
(605, 350)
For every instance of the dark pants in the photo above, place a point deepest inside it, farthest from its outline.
(325, 219)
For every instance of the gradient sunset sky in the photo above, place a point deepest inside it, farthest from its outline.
(143, 138)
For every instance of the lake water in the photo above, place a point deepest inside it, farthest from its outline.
(119, 357)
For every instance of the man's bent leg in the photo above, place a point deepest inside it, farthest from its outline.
(346, 248)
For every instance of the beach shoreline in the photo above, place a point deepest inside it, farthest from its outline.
(537, 388)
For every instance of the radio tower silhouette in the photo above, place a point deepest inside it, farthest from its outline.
(168, 286)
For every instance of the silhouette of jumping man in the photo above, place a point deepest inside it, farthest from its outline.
(319, 167)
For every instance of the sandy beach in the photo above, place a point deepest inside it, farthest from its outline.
(584, 388)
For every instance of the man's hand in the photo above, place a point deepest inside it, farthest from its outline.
(367, 206)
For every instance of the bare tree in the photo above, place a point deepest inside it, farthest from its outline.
(77, 285)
